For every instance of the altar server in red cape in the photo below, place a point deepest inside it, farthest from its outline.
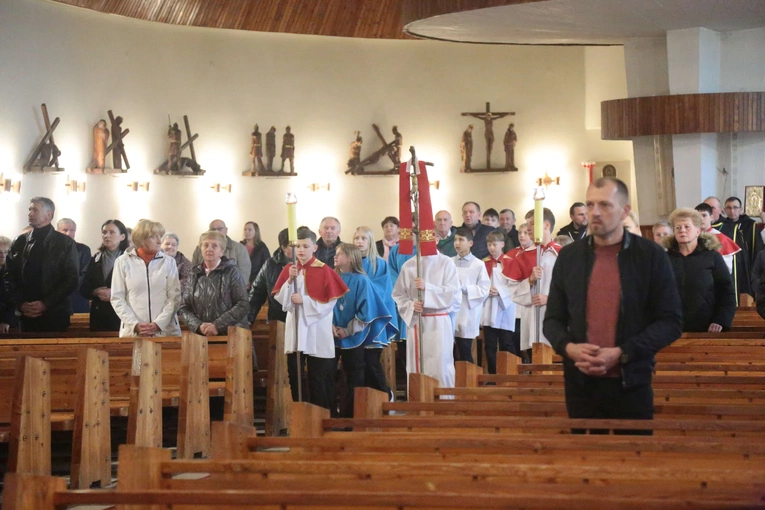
(523, 274)
(438, 282)
(317, 288)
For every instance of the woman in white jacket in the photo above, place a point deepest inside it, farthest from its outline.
(146, 292)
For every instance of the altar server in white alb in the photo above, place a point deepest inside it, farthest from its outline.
(437, 280)
(498, 316)
(316, 289)
(525, 275)
(474, 287)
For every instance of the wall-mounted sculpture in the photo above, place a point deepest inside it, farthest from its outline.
(356, 165)
(176, 164)
(44, 157)
(257, 168)
(101, 147)
(466, 144)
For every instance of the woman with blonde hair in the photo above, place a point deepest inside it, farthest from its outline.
(146, 291)
(703, 280)
(361, 323)
(215, 296)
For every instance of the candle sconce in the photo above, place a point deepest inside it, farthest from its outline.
(8, 185)
(318, 187)
(74, 186)
(435, 184)
(135, 186)
(217, 187)
(546, 181)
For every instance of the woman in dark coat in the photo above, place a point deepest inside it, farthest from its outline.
(703, 279)
(256, 248)
(215, 296)
(97, 284)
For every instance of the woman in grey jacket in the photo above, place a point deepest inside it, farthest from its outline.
(215, 295)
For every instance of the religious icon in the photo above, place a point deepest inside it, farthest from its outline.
(753, 200)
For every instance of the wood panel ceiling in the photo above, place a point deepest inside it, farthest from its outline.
(373, 19)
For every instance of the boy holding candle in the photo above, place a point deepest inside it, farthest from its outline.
(529, 282)
(498, 316)
(316, 289)
(474, 287)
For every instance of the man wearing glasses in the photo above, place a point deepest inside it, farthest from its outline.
(742, 229)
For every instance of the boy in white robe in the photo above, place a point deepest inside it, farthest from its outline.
(441, 295)
(474, 286)
(530, 283)
(316, 289)
(498, 316)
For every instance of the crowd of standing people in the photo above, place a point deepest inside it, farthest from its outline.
(600, 294)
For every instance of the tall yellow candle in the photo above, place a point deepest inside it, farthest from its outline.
(292, 217)
(539, 217)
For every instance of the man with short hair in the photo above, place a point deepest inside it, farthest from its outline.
(234, 251)
(717, 218)
(507, 226)
(490, 218)
(68, 227)
(329, 231)
(577, 229)
(749, 239)
(43, 268)
(610, 319)
(445, 234)
(471, 217)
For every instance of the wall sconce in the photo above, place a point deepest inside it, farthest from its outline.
(547, 181)
(135, 186)
(74, 186)
(318, 187)
(9, 185)
(217, 187)
(588, 165)
(436, 184)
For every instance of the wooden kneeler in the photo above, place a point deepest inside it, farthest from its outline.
(278, 394)
(421, 389)
(194, 402)
(92, 440)
(238, 399)
(145, 408)
(139, 469)
(30, 418)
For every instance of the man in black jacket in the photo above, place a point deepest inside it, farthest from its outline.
(577, 229)
(44, 271)
(68, 227)
(471, 217)
(266, 279)
(610, 320)
(329, 230)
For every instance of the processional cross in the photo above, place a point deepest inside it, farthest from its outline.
(488, 118)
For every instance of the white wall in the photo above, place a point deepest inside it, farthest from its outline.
(82, 63)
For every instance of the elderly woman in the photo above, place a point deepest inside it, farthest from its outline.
(96, 286)
(703, 279)
(7, 308)
(146, 291)
(170, 243)
(256, 249)
(215, 296)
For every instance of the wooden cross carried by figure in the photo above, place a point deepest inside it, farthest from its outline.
(45, 156)
(118, 134)
(392, 149)
(488, 117)
(175, 164)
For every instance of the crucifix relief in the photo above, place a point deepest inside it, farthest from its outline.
(488, 117)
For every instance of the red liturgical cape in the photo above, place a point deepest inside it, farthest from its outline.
(491, 263)
(322, 284)
(728, 246)
(524, 263)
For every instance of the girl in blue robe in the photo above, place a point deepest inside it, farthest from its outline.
(378, 271)
(360, 321)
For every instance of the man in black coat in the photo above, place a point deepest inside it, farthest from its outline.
(68, 227)
(44, 271)
(264, 283)
(609, 320)
(577, 229)
(329, 230)
(471, 217)
(743, 230)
